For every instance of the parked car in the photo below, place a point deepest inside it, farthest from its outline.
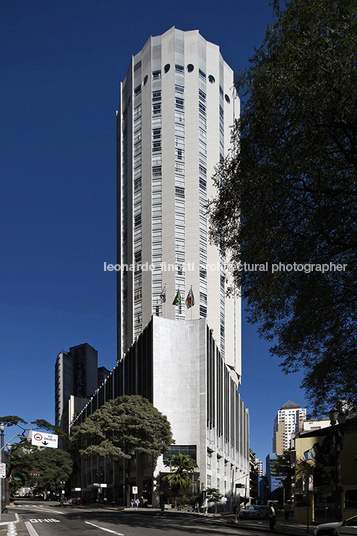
(254, 511)
(76, 500)
(348, 527)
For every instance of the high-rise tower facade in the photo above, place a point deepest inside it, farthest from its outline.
(177, 106)
(289, 421)
(76, 373)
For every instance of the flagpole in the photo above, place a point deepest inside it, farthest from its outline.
(192, 304)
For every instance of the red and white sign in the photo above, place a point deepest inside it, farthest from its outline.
(42, 439)
(308, 480)
(134, 490)
(2, 470)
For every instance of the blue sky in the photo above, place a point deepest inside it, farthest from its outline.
(62, 62)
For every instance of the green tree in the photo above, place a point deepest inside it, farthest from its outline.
(18, 460)
(287, 194)
(213, 495)
(121, 429)
(51, 465)
(182, 468)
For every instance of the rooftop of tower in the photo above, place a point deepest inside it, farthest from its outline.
(290, 405)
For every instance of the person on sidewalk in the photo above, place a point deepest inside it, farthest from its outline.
(271, 516)
(287, 510)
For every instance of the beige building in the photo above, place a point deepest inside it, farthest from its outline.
(287, 423)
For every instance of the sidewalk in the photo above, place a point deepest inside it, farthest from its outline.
(9, 517)
(282, 526)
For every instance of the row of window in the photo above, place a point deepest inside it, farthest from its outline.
(179, 69)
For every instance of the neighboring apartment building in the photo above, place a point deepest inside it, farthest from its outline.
(76, 374)
(177, 106)
(287, 423)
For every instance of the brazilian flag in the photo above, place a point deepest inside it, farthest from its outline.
(177, 300)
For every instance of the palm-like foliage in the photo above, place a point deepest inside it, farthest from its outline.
(182, 468)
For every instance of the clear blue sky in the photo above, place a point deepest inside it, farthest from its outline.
(62, 62)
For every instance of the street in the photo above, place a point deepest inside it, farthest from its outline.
(49, 519)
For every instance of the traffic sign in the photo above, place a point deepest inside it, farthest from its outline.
(134, 490)
(2, 470)
(42, 439)
(308, 480)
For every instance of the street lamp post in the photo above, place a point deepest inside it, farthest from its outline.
(337, 420)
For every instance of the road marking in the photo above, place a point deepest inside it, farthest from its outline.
(48, 520)
(9, 522)
(102, 528)
(43, 509)
(11, 529)
(30, 529)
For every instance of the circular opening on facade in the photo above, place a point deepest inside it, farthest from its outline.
(211, 78)
(167, 68)
(190, 67)
(227, 98)
(145, 79)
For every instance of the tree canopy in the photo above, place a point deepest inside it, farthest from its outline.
(285, 211)
(51, 467)
(42, 424)
(121, 428)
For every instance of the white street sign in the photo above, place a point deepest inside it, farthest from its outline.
(2, 470)
(308, 480)
(42, 439)
(134, 490)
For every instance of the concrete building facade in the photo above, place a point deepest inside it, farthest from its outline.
(76, 373)
(187, 380)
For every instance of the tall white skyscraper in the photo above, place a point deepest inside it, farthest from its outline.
(177, 106)
(289, 421)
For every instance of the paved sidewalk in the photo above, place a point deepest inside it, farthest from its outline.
(9, 517)
(282, 526)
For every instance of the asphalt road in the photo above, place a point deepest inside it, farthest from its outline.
(49, 519)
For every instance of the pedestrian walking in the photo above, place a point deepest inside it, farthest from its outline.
(271, 516)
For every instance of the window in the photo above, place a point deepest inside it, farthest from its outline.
(187, 450)
(227, 98)
(145, 79)
(156, 171)
(156, 75)
(179, 103)
(137, 90)
(202, 74)
(179, 68)
(180, 192)
(179, 154)
(351, 500)
(211, 78)
(190, 67)
(167, 68)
